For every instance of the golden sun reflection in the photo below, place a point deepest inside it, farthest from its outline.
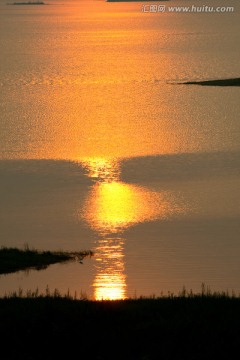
(110, 208)
(114, 206)
(110, 280)
(101, 169)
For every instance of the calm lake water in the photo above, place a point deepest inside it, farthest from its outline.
(100, 148)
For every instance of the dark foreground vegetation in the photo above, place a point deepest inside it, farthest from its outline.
(13, 259)
(184, 327)
(223, 82)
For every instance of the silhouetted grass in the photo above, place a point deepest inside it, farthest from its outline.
(174, 327)
(13, 259)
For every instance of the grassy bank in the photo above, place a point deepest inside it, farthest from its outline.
(13, 259)
(195, 327)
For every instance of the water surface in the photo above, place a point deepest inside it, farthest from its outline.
(100, 150)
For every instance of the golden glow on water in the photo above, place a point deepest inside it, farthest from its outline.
(110, 208)
(104, 211)
(96, 81)
(110, 280)
(102, 169)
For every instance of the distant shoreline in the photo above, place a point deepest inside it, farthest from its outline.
(221, 82)
(28, 3)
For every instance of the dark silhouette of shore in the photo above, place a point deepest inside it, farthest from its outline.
(13, 259)
(222, 82)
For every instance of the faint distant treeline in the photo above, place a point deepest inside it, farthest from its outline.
(28, 3)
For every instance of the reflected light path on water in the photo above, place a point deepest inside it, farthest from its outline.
(110, 279)
(110, 208)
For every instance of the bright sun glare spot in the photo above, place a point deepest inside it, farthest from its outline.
(114, 206)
